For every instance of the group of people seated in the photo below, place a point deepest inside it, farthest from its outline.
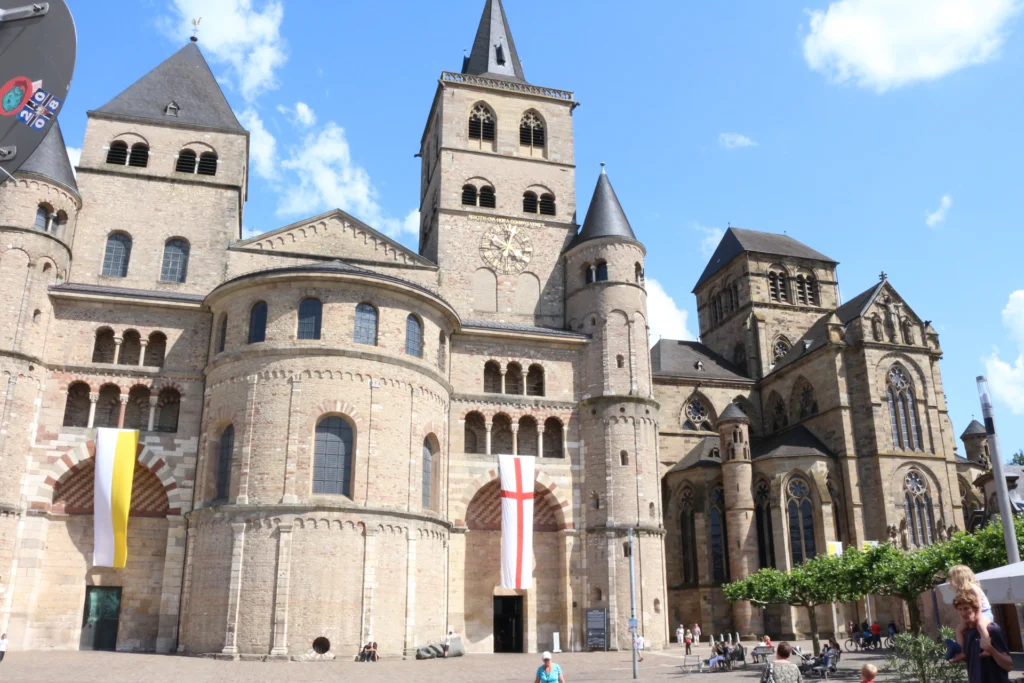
(369, 653)
(722, 653)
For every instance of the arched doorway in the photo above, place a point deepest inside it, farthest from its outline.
(506, 620)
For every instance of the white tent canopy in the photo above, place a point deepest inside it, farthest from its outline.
(1002, 585)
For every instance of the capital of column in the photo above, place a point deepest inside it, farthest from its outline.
(94, 396)
(143, 343)
(118, 340)
(487, 424)
(285, 528)
(123, 398)
(540, 427)
(153, 400)
(502, 370)
(238, 528)
(515, 428)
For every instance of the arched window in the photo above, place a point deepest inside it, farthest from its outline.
(108, 406)
(207, 164)
(917, 505)
(118, 153)
(806, 403)
(553, 438)
(531, 131)
(428, 474)
(103, 347)
(442, 352)
(139, 156)
(696, 416)
(136, 412)
(623, 458)
(800, 510)
(903, 417)
(116, 255)
(778, 288)
(413, 336)
(258, 322)
(837, 505)
(43, 217)
(186, 162)
(469, 195)
(492, 377)
(474, 434)
(487, 198)
(76, 409)
(529, 202)
(638, 272)
(806, 289)
(514, 379)
(602, 271)
(310, 316)
(332, 457)
(365, 331)
(588, 273)
(222, 333)
(739, 357)
(527, 439)
(168, 405)
(779, 349)
(58, 222)
(155, 350)
(688, 536)
(175, 264)
(131, 347)
(224, 450)
(535, 381)
(481, 123)
(763, 521)
(719, 537)
(547, 204)
(777, 411)
(620, 361)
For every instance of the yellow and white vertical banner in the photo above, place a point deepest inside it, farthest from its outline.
(112, 497)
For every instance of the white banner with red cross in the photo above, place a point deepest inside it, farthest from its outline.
(516, 521)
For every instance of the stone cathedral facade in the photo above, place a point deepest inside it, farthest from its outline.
(320, 407)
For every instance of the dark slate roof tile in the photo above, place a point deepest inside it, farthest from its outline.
(737, 241)
(700, 455)
(794, 442)
(605, 217)
(127, 293)
(492, 33)
(974, 429)
(520, 327)
(672, 358)
(50, 159)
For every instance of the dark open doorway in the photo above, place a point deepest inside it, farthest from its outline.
(508, 623)
(99, 622)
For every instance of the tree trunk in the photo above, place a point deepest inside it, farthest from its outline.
(812, 613)
(915, 614)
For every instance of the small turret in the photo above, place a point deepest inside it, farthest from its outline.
(976, 444)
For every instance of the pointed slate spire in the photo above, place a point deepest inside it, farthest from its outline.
(733, 412)
(974, 429)
(182, 90)
(605, 217)
(50, 160)
(494, 52)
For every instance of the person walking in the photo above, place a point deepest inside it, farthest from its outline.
(638, 643)
(680, 635)
(548, 671)
(696, 633)
(689, 641)
(3, 646)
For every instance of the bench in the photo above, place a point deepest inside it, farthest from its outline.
(759, 654)
(691, 662)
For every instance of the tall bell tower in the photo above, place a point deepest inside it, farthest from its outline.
(497, 190)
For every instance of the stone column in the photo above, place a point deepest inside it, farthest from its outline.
(152, 412)
(170, 592)
(123, 398)
(515, 438)
(117, 348)
(93, 398)
(369, 582)
(487, 428)
(502, 371)
(410, 592)
(291, 444)
(143, 343)
(565, 438)
(632, 359)
(284, 552)
(540, 440)
(593, 272)
(234, 588)
(250, 410)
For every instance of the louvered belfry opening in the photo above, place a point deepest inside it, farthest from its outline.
(530, 202)
(469, 195)
(139, 156)
(186, 162)
(531, 130)
(487, 198)
(481, 124)
(207, 164)
(118, 153)
(547, 204)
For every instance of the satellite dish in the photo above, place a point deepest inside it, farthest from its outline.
(37, 58)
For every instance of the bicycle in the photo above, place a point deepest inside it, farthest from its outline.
(889, 642)
(852, 645)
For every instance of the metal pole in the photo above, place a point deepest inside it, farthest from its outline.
(632, 604)
(1005, 511)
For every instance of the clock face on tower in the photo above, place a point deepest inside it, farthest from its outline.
(506, 249)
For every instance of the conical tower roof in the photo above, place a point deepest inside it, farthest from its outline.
(185, 81)
(494, 52)
(974, 429)
(50, 160)
(733, 412)
(605, 217)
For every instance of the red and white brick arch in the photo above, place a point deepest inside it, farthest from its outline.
(562, 506)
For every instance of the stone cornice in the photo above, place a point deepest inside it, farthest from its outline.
(312, 507)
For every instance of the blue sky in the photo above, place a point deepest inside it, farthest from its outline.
(885, 135)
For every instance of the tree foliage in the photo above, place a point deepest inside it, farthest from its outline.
(1018, 459)
(919, 658)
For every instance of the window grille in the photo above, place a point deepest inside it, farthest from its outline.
(469, 195)
(310, 315)
(366, 325)
(531, 131)
(801, 521)
(413, 336)
(547, 204)
(116, 255)
(481, 124)
(175, 264)
(332, 457)
(529, 202)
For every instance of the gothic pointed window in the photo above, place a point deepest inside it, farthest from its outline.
(696, 416)
(800, 510)
(779, 349)
(739, 357)
(481, 124)
(719, 537)
(966, 504)
(688, 536)
(807, 404)
(904, 422)
(837, 504)
(777, 410)
(116, 255)
(917, 507)
(531, 131)
(763, 521)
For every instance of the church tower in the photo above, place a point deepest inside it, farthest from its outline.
(497, 191)
(606, 299)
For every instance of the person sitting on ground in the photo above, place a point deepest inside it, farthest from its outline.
(366, 652)
(868, 673)
(987, 661)
(782, 670)
(374, 655)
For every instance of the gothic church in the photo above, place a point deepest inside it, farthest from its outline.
(321, 407)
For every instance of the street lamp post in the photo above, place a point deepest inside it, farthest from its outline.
(1002, 494)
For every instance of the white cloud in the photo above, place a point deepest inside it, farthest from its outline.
(1007, 378)
(301, 114)
(708, 243)
(262, 144)
(665, 318)
(939, 215)
(734, 141)
(245, 38)
(74, 156)
(883, 44)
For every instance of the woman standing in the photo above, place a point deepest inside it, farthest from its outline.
(689, 641)
(548, 671)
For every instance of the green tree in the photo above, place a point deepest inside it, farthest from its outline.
(1018, 458)
(923, 659)
(824, 580)
(887, 570)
